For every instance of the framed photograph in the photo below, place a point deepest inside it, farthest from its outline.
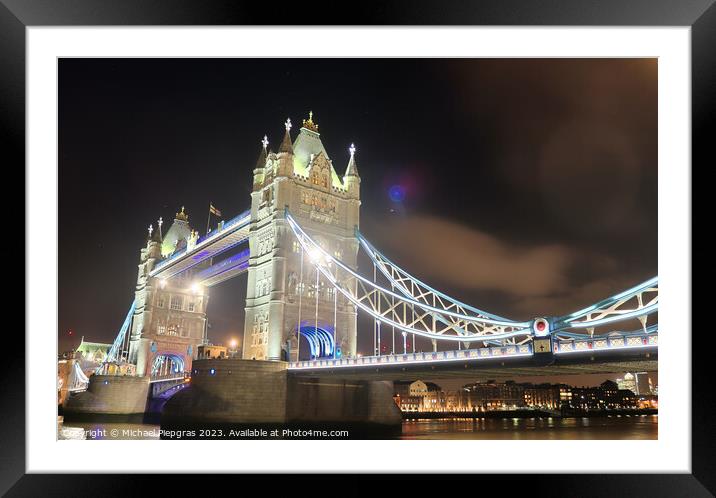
(425, 236)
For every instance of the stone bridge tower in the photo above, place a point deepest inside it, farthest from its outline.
(170, 315)
(282, 288)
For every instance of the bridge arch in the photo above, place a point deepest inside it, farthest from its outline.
(167, 364)
(321, 340)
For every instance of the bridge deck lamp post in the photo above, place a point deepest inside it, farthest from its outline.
(317, 259)
(335, 320)
(318, 274)
(300, 299)
(232, 348)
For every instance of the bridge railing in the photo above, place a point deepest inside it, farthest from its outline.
(227, 224)
(238, 259)
(513, 350)
(170, 376)
(178, 255)
(607, 342)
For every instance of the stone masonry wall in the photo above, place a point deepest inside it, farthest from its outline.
(111, 395)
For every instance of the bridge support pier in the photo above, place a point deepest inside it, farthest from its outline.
(110, 395)
(234, 391)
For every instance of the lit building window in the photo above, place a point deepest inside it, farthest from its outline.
(176, 302)
(296, 246)
(190, 306)
(160, 302)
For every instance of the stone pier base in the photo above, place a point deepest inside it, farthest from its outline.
(337, 400)
(234, 391)
(110, 395)
(231, 391)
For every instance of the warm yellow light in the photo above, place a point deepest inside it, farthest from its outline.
(233, 343)
(195, 288)
(315, 255)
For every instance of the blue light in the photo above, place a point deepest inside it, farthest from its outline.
(212, 371)
(320, 340)
(396, 193)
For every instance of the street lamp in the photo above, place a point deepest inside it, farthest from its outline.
(232, 347)
(316, 255)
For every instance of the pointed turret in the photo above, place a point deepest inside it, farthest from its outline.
(286, 144)
(352, 169)
(261, 161)
(154, 241)
(259, 171)
(156, 237)
(351, 180)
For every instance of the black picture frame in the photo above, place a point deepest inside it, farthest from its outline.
(700, 15)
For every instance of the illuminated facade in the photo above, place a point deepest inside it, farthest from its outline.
(493, 395)
(169, 319)
(211, 351)
(286, 297)
(91, 352)
(628, 382)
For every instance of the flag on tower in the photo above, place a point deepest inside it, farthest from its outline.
(213, 210)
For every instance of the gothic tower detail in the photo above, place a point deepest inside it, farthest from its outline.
(170, 316)
(283, 301)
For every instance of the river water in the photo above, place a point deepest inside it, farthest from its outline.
(612, 427)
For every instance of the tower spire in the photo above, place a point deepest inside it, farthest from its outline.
(352, 169)
(261, 162)
(153, 234)
(309, 124)
(181, 215)
(286, 144)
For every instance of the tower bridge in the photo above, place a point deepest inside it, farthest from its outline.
(299, 243)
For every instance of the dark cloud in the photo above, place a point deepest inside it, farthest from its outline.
(468, 258)
(535, 279)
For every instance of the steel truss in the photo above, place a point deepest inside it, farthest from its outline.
(417, 309)
(638, 303)
(121, 342)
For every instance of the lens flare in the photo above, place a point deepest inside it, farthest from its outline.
(397, 193)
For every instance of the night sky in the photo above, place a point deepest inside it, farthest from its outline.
(530, 185)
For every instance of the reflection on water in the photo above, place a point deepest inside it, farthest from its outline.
(619, 427)
(615, 427)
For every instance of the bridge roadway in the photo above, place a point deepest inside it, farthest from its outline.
(496, 362)
(228, 235)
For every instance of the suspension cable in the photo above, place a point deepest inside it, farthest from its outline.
(300, 299)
